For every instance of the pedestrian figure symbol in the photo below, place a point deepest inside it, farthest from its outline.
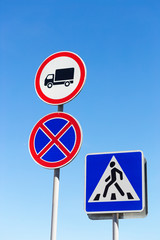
(113, 185)
(113, 178)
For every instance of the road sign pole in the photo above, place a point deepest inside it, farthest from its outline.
(55, 196)
(60, 108)
(115, 226)
(55, 204)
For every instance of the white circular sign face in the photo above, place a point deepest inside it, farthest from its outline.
(60, 78)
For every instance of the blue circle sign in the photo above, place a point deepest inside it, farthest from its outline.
(55, 140)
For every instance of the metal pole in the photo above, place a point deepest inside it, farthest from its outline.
(55, 196)
(55, 204)
(115, 226)
(60, 108)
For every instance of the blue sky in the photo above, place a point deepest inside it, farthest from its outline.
(118, 108)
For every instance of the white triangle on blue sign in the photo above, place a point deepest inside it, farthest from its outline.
(113, 185)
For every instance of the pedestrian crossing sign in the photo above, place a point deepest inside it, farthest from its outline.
(115, 183)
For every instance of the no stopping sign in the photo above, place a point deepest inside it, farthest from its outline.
(55, 140)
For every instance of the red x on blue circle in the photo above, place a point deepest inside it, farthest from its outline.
(55, 140)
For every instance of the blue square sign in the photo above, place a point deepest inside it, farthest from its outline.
(114, 182)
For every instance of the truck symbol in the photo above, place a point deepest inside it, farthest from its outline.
(62, 76)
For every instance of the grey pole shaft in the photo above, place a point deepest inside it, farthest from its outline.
(55, 196)
(55, 204)
(115, 226)
(60, 108)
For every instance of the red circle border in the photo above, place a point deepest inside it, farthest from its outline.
(76, 90)
(75, 150)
